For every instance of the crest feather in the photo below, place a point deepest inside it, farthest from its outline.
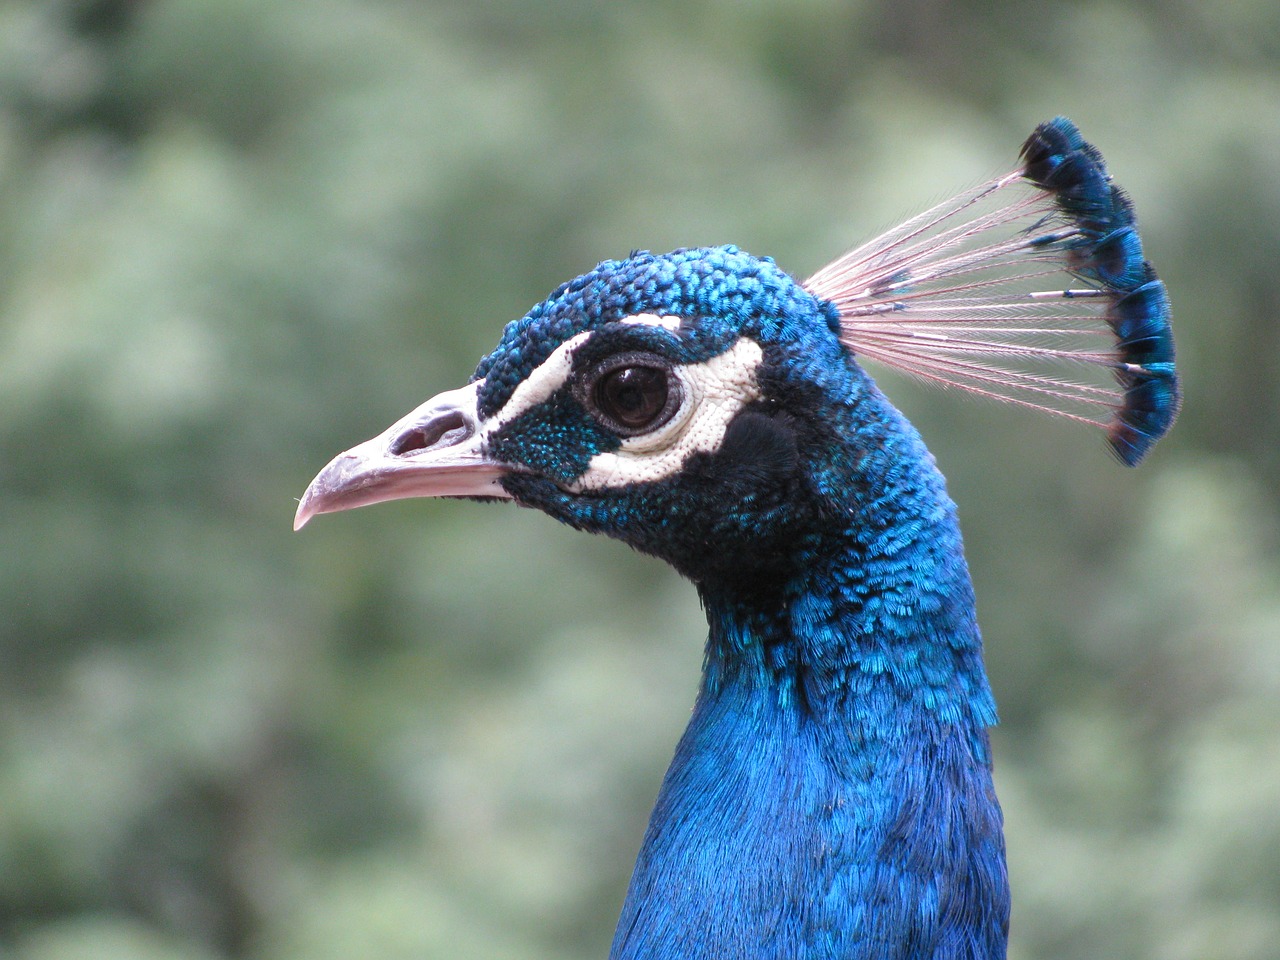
(1031, 288)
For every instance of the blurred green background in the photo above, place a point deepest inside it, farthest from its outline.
(237, 236)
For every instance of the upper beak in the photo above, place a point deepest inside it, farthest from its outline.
(435, 451)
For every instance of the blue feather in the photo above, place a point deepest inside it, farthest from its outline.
(957, 295)
(1109, 254)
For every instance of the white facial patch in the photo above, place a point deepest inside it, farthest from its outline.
(714, 392)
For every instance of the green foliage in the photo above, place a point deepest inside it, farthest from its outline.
(237, 236)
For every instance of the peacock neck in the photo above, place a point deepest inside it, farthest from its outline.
(832, 795)
(881, 620)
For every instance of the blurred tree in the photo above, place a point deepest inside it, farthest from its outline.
(237, 235)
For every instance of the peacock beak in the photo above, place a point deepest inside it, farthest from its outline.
(435, 451)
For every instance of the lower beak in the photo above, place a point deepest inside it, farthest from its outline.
(435, 451)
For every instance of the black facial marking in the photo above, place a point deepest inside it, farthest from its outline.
(759, 450)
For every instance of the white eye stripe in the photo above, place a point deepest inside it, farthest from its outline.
(548, 377)
(715, 391)
(667, 322)
(552, 374)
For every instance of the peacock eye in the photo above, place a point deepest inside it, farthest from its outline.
(634, 394)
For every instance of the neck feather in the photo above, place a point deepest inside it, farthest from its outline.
(832, 795)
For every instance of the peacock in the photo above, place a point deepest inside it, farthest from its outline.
(832, 795)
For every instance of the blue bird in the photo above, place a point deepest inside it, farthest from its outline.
(832, 796)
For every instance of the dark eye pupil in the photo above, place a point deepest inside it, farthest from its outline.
(633, 396)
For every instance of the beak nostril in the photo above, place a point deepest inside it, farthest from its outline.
(444, 430)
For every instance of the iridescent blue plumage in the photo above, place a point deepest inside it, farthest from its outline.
(843, 712)
(832, 795)
(722, 288)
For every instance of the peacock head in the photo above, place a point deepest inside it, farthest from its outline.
(706, 407)
(677, 402)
